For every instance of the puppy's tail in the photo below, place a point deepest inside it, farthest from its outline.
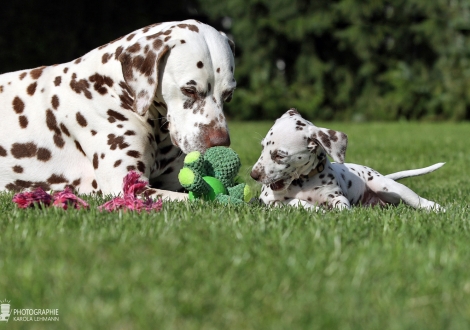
(420, 171)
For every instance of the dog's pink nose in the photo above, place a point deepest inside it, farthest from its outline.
(255, 175)
(218, 137)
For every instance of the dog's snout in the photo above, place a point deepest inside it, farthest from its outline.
(255, 175)
(218, 138)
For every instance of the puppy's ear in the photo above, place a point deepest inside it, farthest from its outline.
(290, 113)
(334, 142)
(140, 68)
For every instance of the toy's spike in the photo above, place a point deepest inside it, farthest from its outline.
(241, 191)
(224, 164)
(195, 161)
(193, 181)
(225, 199)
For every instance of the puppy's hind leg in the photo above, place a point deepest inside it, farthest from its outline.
(297, 203)
(393, 192)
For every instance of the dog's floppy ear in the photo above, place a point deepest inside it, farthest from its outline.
(334, 142)
(140, 68)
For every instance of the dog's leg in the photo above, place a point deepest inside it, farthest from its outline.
(339, 202)
(393, 192)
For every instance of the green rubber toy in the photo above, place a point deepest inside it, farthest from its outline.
(213, 176)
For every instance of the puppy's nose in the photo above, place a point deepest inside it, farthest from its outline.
(255, 175)
(218, 138)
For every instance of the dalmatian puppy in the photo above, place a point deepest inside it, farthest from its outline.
(138, 103)
(294, 169)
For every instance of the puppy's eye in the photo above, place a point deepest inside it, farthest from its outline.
(279, 158)
(191, 92)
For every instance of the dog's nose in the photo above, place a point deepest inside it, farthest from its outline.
(218, 138)
(255, 175)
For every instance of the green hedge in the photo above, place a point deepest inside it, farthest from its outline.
(349, 59)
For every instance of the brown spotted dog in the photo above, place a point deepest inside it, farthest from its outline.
(136, 103)
(295, 170)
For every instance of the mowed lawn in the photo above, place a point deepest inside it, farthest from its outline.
(206, 266)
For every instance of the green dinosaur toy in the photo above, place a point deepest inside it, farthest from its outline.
(212, 176)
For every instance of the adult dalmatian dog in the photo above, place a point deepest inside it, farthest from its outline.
(295, 170)
(137, 103)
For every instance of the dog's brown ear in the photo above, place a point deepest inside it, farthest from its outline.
(140, 68)
(334, 142)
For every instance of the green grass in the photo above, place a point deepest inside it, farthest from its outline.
(206, 266)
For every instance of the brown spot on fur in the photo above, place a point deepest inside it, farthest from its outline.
(95, 161)
(51, 122)
(57, 81)
(127, 100)
(44, 154)
(18, 105)
(94, 184)
(55, 102)
(3, 152)
(19, 185)
(24, 150)
(36, 73)
(17, 169)
(105, 58)
(76, 182)
(141, 166)
(64, 129)
(117, 163)
(93, 132)
(129, 133)
(32, 88)
(133, 153)
(100, 82)
(23, 75)
(79, 147)
(118, 52)
(78, 60)
(80, 86)
(131, 168)
(116, 115)
(81, 120)
(23, 121)
(58, 141)
(116, 141)
(200, 65)
(55, 179)
(157, 44)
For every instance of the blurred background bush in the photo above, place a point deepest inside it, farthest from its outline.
(332, 59)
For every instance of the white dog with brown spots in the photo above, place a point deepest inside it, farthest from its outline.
(294, 169)
(137, 103)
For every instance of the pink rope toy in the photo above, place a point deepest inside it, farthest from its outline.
(132, 186)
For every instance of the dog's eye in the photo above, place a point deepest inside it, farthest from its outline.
(191, 92)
